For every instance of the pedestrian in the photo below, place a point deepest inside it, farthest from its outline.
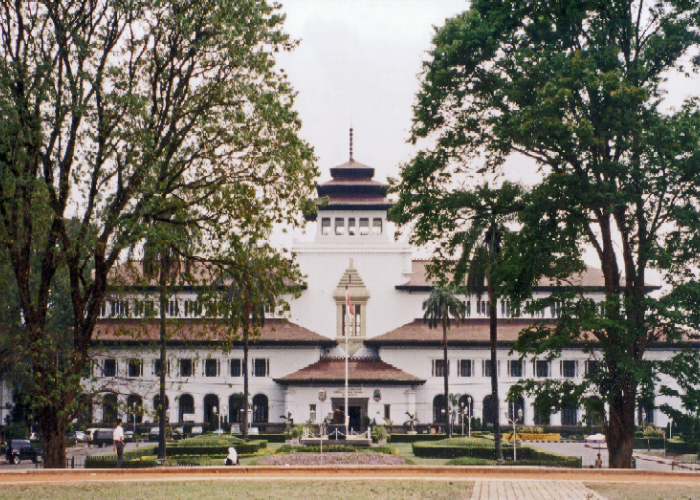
(232, 458)
(598, 462)
(118, 442)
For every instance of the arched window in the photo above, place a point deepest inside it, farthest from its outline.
(211, 401)
(110, 409)
(490, 410)
(186, 406)
(134, 409)
(84, 414)
(439, 411)
(260, 409)
(235, 408)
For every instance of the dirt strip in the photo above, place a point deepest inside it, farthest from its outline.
(416, 472)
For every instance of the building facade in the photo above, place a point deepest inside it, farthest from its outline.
(396, 362)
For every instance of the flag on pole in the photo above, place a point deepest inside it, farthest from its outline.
(351, 308)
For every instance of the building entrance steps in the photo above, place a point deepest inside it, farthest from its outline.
(532, 490)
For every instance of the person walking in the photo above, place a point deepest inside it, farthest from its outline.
(118, 442)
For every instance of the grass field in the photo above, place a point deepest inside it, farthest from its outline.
(247, 490)
(649, 491)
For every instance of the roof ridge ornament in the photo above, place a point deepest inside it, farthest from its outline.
(351, 144)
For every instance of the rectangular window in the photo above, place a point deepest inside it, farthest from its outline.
(120, 308)
(465, 368)
(312, 412)
(185, 367)
(157, 368)
(569, 416)
(173, 308)
(357, 321)
(261, 367)
(439, 368)
(364, 226)
(515, 367)
(211, 368)
(352, 230)
(110, 369)
(193, 308)
(468, 308)
(235, 367)
(568, 368)
(103, 310)
(135, 368)
(326, 226)
(339, 226)
(591, 366)
(387, 412)
(376, 227)
(487, 368)
(542, 369)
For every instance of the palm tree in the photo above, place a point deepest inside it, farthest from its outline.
(439, 306)
(477, 267)
(165, 258)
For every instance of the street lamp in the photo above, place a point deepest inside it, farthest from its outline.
(461, 404)
(514, 421)
(224, 411)
(321, 397)
(218, 417)
(469, 413)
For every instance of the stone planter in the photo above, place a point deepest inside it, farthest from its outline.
(382, 442)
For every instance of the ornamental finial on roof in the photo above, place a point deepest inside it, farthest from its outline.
(351, 144)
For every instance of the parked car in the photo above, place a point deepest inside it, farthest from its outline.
(81, 437)
(22, 449)
(102, 437)
(178, 433)
(128, 436)
(197, 430)
(218, 432)
(154, 433)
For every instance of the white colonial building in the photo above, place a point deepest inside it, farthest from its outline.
(396, 361)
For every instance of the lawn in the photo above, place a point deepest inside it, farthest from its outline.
(247, 489)
(649, 491)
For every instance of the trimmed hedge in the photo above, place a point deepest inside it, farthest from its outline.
(682, 448)
(242, 448)
(336, 448)
(412, 438)
(270, 438)
(110, 462)
(648, 444)
(210, 441)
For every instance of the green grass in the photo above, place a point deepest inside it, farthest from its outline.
(406, 451)
(647, 491)
(247, 490)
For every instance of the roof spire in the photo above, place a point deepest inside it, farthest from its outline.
(351, 144)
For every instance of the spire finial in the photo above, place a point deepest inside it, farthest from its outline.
(351, 144)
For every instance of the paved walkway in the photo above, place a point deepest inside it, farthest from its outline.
(532, 490)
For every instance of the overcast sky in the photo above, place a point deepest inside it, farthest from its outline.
(358, 64)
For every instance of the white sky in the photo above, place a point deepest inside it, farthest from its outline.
(358, 65)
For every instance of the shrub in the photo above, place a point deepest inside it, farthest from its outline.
(242, 448)
(210, 440)
(380, 432)
(336, 448)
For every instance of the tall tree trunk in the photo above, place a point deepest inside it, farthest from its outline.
(619, 431)
(54, 431)
(446, 372)
(245, 379)
(493, 334)
(163, 367)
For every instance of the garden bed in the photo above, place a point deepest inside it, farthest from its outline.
(337, 458)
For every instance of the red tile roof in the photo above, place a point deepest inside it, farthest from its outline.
(359, 371)
(274, 332)
(472, 331)
(590, 278)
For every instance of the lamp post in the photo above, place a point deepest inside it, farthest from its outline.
(224, 410)
(469, 414)
(461, 404)
(514, 421)
(670, 428)
(321, 397)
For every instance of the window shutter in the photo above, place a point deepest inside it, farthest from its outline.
(508, 367)
(432, 372)
(267, 370)
(218, 367)
(498, 367)
(561, 368)
(141, 367)
(483, 367)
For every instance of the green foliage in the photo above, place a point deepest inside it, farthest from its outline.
(103, 139)
(336, 448)
(204, 440)
(577, 87)
(379, 432)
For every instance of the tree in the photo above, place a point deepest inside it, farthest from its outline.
(467, 226)
(577, 87)
(255, 286)
(111, 110)
(438, 308)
